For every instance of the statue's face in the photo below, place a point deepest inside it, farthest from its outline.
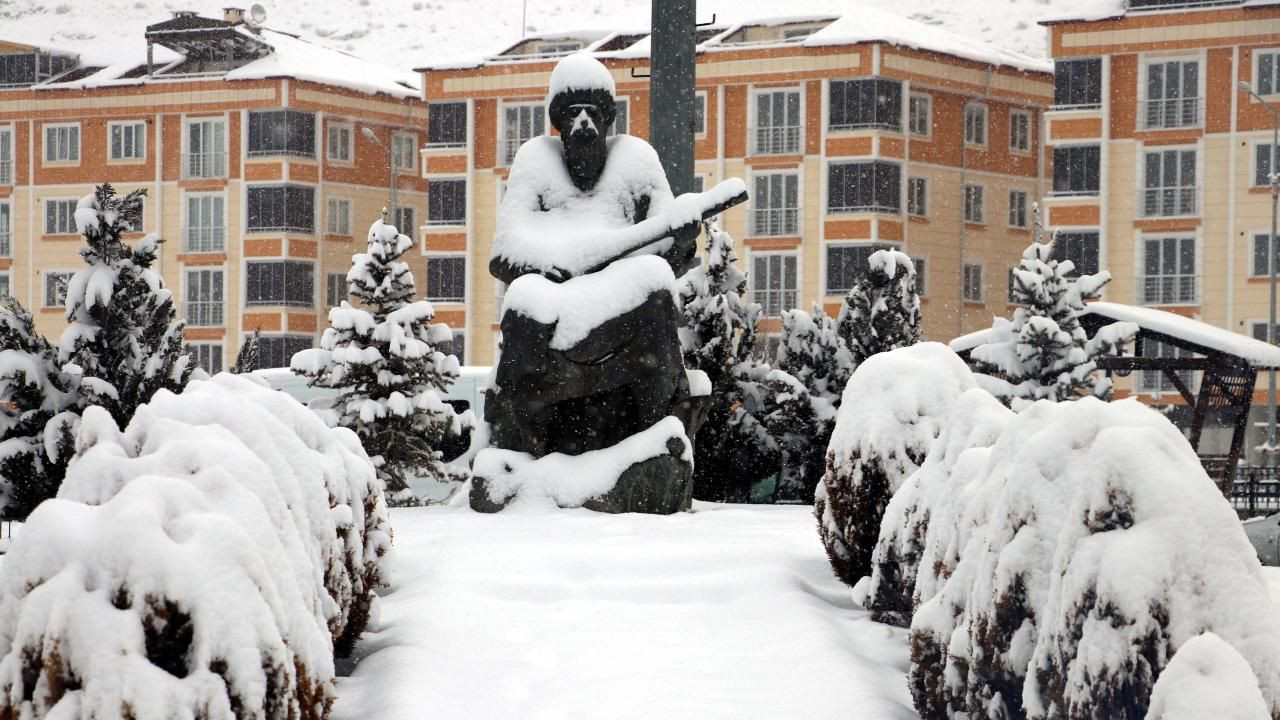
(585, 120)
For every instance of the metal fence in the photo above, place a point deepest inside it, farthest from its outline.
(1256, 491)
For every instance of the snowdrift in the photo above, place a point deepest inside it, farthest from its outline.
(206, 561)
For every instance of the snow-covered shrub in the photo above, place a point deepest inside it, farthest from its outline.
(200, 563)
(382, 359)
(1150, 555)
(811, 353)
(882, 310)
(893, 408)
(1044, 352)
(1207, 678)
(247, 356)
(926, 524)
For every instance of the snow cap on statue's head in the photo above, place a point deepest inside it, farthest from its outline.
(580, 79)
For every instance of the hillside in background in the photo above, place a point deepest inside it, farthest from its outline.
(411, 33)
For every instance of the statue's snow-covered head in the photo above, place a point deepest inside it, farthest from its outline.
(580, 100)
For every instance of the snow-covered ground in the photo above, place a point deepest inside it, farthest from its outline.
(729, 611)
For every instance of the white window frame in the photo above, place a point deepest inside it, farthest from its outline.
(466, 191)
(1026, 208)
(343, 228)
(72, 230)
(340, 127)
(928, 115)
(218, 162)
(343, 289)
(139, 141)
(44, 133)
(921, 264)
(506, 150)
(981, 285)
(753, 131)
(6, 154)
(911, 179)
(700, 96)
(400, 137)
(981, 194)
(205, 312)
(1180, 192)
(826, 261)
(1255, 76)
(397, 212)
(1140, 274)
(462, 359)
(983, 112)
(623, 105)
(763, 302)
(44, 287)
(426, 290)
(6, 229)
(1026, 137)
(1143, 113)
(755, 229)
(6, 284)
(1254, 237)
(215, 350)
(1253, 162)
(217, 235)
(1254, 324)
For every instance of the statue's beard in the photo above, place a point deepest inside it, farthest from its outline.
(585, 153)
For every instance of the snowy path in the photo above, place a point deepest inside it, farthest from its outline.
(725, 612)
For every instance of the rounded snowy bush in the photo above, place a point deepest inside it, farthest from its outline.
(203, 562)
(1207, 678)
(893, 407)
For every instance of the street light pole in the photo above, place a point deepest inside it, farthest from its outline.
(1274, 178)
(391, 169)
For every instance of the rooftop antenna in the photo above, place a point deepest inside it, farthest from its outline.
(257, 16)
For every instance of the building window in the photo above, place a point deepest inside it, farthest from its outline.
(776, 204)
(1157, 381)
(128, 141)
(61, 143)
(6, 230)
(1268, 72)
(1173, 94)
(972, 282)
(975, 124)
(773, 282)
(206, 155)
(1170, 184)
(700, 113)
(1169, 270)
(620, 118)
(55, 288)
(1081, 248)
(404, 152)
(6, 156)
(282, 132)
(204, 297)
(1017, 208)
(279, 282)
(922, 275)
(1076, 170)
(338, 214)
(457, 346)
(136, 227)
(1011, 295)
(276, 350)
(447, 124)
(336, 289)
(777, 123)
(1019, 131)
(920, 115)
(1077, 83)
(918, 197)
(447, 202)
(60, 217)
(447, 278)
(974, 202)
(206, 224)
(403, 220)
(1259, 331)
(281, 208)
(864, 103)
(208, 356)
(864, 187)
(1261, 261)
(1263, 154)
(6, 287)
(520, 124)
(339, 143)
(845, 263)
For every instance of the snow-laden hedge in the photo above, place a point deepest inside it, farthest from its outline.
(894, 406)
(205, 562)
(1207, 678)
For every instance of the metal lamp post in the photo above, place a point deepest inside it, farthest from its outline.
(1274, 178)
(391, 168)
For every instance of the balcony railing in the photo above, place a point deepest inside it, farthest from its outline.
(204, 312)
(6, 244)
(775, 302)
(204, 239)
(1168, 202)
(6, 172)
(1170, 113)
(775, 221)
(780, 140)
(1169, 289)
(204, 165)
(509, 148)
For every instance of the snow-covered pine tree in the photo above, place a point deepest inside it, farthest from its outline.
(383, 359)
(733, 448)
(882, 310)
(247, 357)
(33, 391)
(811, 353)
(123, 339)
(1044, 352)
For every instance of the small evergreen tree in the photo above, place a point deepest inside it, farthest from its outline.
(733, 447)
(811, 353)
(1044, 352)
(247, 357)
(382, 358)
(882, 310)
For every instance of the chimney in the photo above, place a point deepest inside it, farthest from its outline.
(184, 13)
(233, 15)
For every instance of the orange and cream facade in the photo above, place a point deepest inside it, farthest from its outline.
(1159, 161)
(848, 142)
(263, 182)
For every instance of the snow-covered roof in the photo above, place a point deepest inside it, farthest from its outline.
(1092, 10)
(1210, 337)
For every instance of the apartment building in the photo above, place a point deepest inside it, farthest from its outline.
(852, 132)
(265, 158)
(1160, 161)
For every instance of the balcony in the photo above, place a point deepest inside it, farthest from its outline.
(204, 239)
(204, 313)
(208, 165)
(1169, 289)
(775, 302)
(775, 221)
(1171, 113)
(6, 244)
(6, 172)
(1169, 202)
(778, 140)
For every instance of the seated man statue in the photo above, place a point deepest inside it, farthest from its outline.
(590, 240)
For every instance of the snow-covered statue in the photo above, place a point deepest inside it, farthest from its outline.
(590, 240)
